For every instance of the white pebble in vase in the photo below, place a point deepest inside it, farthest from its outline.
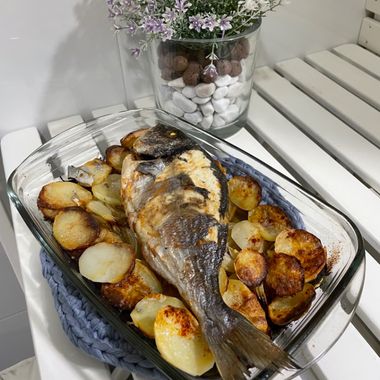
(193, 118)
(189, 92)
(234, 80)
(182, 102)
(207, 109)
(231, 113)
(220, 105)
(204, 90)
(198, 100)
(223, 80)
(179, 83)
(166, 91)
(218, 122)
(170, 107)
(220, 92)
(206, 122)
(235, 90)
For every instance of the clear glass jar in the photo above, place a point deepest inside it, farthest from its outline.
(208, 83)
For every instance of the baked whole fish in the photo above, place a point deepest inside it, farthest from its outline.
(175, 197)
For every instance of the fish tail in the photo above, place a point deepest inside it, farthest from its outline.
(243, 346)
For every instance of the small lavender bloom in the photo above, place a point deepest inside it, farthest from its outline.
(169, 15)
(149, 24)
(151, 7)
(159, 26)
(167, 33)
(131, 27)
(196, 23)
(225, 22)
(210, 23)
(182, 5)
(135, 52)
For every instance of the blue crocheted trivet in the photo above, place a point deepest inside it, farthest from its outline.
(95, 336)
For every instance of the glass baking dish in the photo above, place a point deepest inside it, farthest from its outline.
(307, 339)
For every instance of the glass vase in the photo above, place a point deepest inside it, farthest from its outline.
(208, 82)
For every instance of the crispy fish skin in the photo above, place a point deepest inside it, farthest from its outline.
(175, 198)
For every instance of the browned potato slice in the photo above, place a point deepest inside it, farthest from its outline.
(228, 263)
(108, 236)
(283, 310)
(145, 312)
(48, 213)
(250, 267)
(95, 171)
(115, 155)
(244, 192)
(285, 275)
(270, 219)
(223, 280)
(128, 140)
(104, 262)
(240, 298)
(306, 247)
(109, 191)
(126, 293)
(247, 235)
(180, 341)
(58, 195)
(99, 208)
(74, 228)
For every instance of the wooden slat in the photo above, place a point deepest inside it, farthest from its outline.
(356, 359)
(355, 80)
(348, 107)
(360, 57)
(57, 126)
(318, 168)
(373, 6)
(354, 150)
(108, 110)
(369, 35)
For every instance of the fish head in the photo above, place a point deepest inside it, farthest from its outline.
(162, 141)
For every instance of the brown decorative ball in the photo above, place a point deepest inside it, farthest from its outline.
(169, 74)
(180, 63)
(245, 47)
(169, 60)
(223, 67)
(191, 78)
(235, 68)
(194, 67)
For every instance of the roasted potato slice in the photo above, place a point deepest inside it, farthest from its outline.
(244, 192)
(109, 191)
(306, 247)
(145, 312)
(74, 228)
(240, 298)
(250, 267)
(228, 263)
(270, 219)
(180, 341)
(223, 280)
(283, 310)
(128, 140)
(285, 275)
(99, 208)
(58, 195)
(108, 236)
(247, 235)
(48, 213)
(115, 155)
(107, 263)
(133, 288)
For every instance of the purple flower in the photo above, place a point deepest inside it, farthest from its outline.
(210, 23)
(135, 52)
(169, 15)
(195, 22)
(167, 33)
(225, 22)
(151, 7)
(131, 27)
(182, 5)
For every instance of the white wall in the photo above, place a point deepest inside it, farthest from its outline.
(59, 58)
